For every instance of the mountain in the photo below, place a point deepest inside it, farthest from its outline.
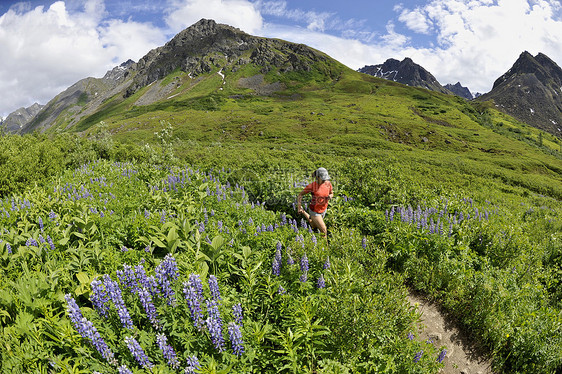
(406, 72)
(531, 91)
(79, 100)
(459, 90)
(20, 117)
(175, 69)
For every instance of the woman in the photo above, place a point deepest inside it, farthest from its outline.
(321, 190)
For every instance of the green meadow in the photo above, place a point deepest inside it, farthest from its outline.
(116, 233)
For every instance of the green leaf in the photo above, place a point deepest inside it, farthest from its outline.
(83, 278)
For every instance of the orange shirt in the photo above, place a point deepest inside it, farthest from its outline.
(319, 201)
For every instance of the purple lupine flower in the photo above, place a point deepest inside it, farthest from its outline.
(290, 260)
(192, 365)
(51, 244)
(99, 298)
(418, 356)
(52, 216)
(149, 308)
(321, 282)
(441, 356)
(40, 222)
(114, 292)
(281, 290)
(214, 325)
(214, 287)
(169, 353)
(166, 272)
(124, 370)
(410, 336)
(31, 243)
(304, 263)
(87, 330)
(304, 277)
(327, 264)
(196, 283)
(9, 248)
(236, 338)
(127, 278)
(314, 240)
(237, 313)
(364, 243)
(193, 304)
(138, 352)
(276, 267)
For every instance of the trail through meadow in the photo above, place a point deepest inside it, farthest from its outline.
(463, 355)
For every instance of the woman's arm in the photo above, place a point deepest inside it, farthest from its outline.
(299, 200)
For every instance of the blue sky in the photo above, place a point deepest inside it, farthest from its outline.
(47, 45)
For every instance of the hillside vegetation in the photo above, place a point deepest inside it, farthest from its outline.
(433, 193)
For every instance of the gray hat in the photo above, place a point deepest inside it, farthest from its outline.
(322, 174)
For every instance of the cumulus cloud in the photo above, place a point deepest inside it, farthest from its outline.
(238, 13)
(479, 40)
(47, 49)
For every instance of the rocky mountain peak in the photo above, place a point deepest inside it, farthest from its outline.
(531, 90)
(459, 90)
(405, 72)
(207, 45)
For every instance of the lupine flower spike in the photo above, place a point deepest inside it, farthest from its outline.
(138, 352)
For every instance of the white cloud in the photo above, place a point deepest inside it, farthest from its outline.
(46, 49)
(479, 40)
(415, 20)
(237, 13)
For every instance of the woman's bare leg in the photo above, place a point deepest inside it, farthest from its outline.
(317, 222)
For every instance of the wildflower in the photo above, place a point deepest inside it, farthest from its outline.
(281, 290)
(441, 356)
(195, 282)
(87, 330)
(418, 355)
(314, 240)
(304, 277)
(364, 243)
(214, 287)
(304, 263)
(192, 298)
(290, 260)
(149, 308)
(99, 298)
(214, 325)
(169, 353)
(192, 365)
(114, 292)
(138, 352)
(166, 272)
(410, 336)
(276, 267)
(237, 313)
(40, 221)
(321, 282)
(9, 248)
(327, 264)
(236, 338)
(31, 243)
(124, 370)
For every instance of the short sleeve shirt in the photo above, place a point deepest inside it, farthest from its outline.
(320, 193)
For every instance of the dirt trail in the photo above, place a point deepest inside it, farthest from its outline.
(463, 356)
